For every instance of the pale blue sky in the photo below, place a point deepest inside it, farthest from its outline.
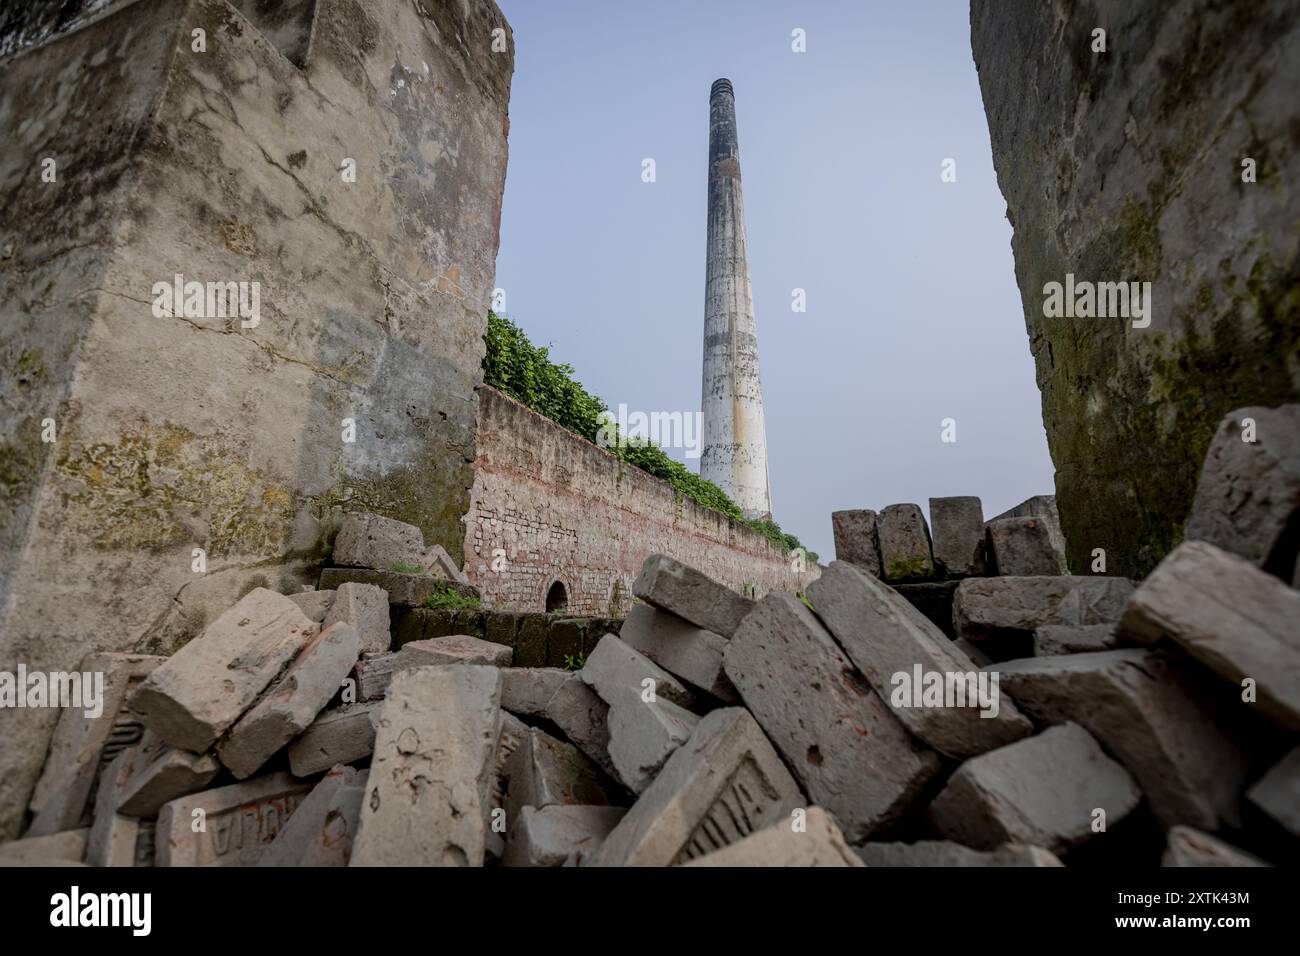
(913, 313)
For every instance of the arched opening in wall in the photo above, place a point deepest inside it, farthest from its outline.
(557, 598)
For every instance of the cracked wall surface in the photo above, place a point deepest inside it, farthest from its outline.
(181, 431)
(1127, 166)
(549, 506)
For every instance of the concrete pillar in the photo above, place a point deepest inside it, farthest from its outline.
(735, 441)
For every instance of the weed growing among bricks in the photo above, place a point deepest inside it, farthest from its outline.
(402, 567)
(445, 595)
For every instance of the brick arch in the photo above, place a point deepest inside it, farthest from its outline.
(557, 596)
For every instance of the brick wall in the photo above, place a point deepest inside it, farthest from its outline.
(547, 506)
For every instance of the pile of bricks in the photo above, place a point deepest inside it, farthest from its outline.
(925, 562)
(391, 555)
(1074, 720)
(898, 546)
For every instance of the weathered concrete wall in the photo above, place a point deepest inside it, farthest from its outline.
(286, 23)
(564, 510)
(24, 25)
(175, 433)
(1127, 166)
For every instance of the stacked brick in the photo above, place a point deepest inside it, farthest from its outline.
(1072, 720)
(897, 546)
(925, 562)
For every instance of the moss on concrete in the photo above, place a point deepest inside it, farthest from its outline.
(22, 453)
(160, 486)
(1127, 469)
(30, 368)
(21, 459)
(902, 569)
(429, 495)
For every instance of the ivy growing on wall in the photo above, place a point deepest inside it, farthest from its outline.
(525, 372)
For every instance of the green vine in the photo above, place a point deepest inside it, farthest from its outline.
(525, 372)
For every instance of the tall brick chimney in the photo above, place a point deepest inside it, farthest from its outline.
(734, 453)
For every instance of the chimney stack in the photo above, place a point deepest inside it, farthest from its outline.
(734, 455)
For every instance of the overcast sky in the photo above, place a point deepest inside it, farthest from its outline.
(913, 315)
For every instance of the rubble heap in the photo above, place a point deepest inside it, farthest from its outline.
(926, 562)
(1107, 723)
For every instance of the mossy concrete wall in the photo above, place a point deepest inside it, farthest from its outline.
(548, 506)
(1127, 166)
(177, 433)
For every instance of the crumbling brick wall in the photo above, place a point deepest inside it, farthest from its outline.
(547, 507)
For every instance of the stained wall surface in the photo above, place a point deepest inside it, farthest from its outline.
(1130, 164)
(216, 141)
